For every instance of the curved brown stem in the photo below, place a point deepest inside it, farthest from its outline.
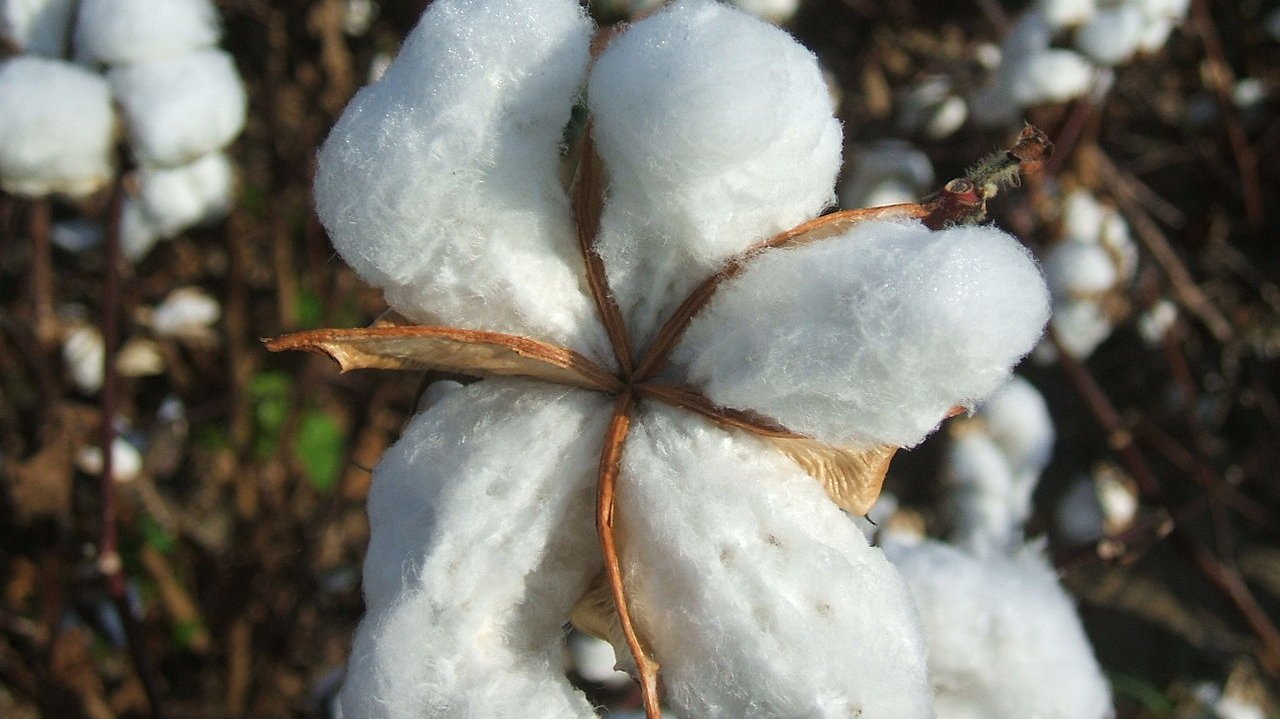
(588, 204)
(610, 465)
(814, 230)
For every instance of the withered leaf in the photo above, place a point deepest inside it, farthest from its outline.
(852, 477)
(387, 345)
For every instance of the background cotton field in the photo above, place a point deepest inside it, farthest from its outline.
(1098, 538)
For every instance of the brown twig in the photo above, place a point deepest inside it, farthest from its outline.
(1154, 240)
(110, 564)
(588, 205)
(1221, 81)
(610, 466)
(1225, 579)
(38, 225)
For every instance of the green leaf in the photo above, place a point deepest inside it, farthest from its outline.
(154, 535)
(270, 391)
(319, 449)
(1141, 692)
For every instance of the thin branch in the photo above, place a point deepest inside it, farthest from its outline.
(610, 466)
(1225, 579)
(109, 561)
(38, 225)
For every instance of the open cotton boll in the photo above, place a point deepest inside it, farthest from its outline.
(1079, 270)
(1078, 515)
(1113, 35)
(478, 551)
(1005, 641)
(181, 108)
(175, 198)
(185, 312)
(891, 327)
(1080, 327)
(1171, 9)
(985, 516)
(716, 131)
(886, 173)
(137, 234)
(440, 183)
(126, 460)
(1155, 33)
(1066, 13)
(1017, 417)
(114, 32)
(82, 354)
(774, 605)
(1050, 76)
(38, 27)
(56, 128)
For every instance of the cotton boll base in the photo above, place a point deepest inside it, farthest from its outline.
(900, 323)
(1004, 638)
(56, 128)
(181, 108)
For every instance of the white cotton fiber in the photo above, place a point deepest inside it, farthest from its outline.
(56, 128)
(176, 198)
(185, 312)
(181, 108)
(871, 337)
(1081, 326)
(482, 538)
(877, 169)
(1079, 270)
(440, 183)
(1005, 641)
(1082, 216)
(984, 516)
(779, 11)
(1050, 76)
(83, 350)
(759, 597)
(1017, 417)
(1066, 13)
(1113, 35)
(38, 27)
(716, 131)
(127, 31)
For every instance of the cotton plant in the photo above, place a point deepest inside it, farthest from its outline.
(1058, 49)
(686, 376)
(1004, 639)
(182, 102)
(885, 173)
(1089, 269)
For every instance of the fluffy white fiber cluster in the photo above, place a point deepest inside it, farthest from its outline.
(1092, 263)
(56, 128)
(886, 173)
(183, 102)
(441, 184)
(1102, 34)
(181, 97)
(1005, 641)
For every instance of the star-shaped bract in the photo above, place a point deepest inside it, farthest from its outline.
(669, 348)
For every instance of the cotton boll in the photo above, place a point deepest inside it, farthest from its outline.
(1082, 216)
(1081, 326)
(1171, 9)
(1050, 76)
(113, 32)
(358, 16)
(992, 105)
(985, 518)
(126, 460)
(891, 327)
(1005, 641)
(137, 234)
(82, 353)
(777, 11)
(1078, 515)
(716, 131)
(774, 604)
(886, 173)
(1155, 34)
(185, 312)
(38, 27)
(56, 128)
(1155, 323)
(1030, 35)
(482, 538)
(175, 198)
(1067, 13)
(1079, 270)
(437, 391)
(1017, 418)
(440, 183)
(181, 108)
(140, 357)
(1113, 35)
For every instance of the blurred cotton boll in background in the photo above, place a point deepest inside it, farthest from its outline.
(37, 27)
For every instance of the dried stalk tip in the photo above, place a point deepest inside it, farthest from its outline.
(964, 199)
